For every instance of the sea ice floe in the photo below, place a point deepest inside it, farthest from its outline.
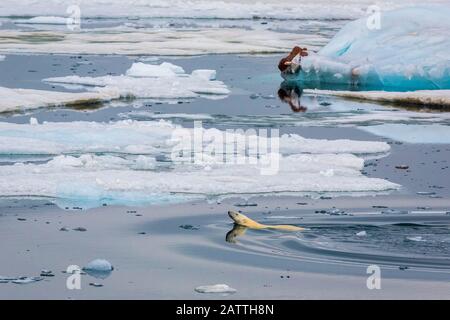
(115, 163)
(411, 55)
(202, 9)
(216, 288)
(23, 99)
(147, 138)
(44, 20)
(412, 133)
(160, 41)
(164, 81)
(430, 98)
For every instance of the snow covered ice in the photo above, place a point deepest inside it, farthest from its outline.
(160, 82)
(411, 55)
(115, 163)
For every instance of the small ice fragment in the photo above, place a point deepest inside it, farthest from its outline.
(47, 273)
(95, 284)
(254, 96)
(99, 268)
(362, 233)
(402, 167)
(418, 239)
(246, 204)
(99, 265)
(188, 227)
(34, 121)
(394, 211)
(425, 193)
(26, 280)
(81, 229)
(216, 288)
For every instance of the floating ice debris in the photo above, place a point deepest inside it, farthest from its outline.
(417, 239)
(403, 268)
(33, 121)
(425, 193)
(254, 96)
(402, 167)
(189, 227)
(388, 57)
(361, 233)
(99, 268)
(81, 229)
(216, 288)
(26, 280)
(47, 273)
(63, 229)
(394, 211)
(44, 20)
(246, 204)
(164, 81)
(95, 284)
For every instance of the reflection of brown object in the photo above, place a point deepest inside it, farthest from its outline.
(285, 62)
(292, 99)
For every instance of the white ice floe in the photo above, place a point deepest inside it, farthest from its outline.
(216, 9)
(44, 20)
(216, 288)
(409, 50)
(361, 233)
(126, 171)
(412, 133)
(430, 98)
(23, 99)
(164, 81)
(2, 57)
(145, 137)
(167, 42)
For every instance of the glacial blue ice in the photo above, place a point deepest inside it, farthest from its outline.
(409, 51)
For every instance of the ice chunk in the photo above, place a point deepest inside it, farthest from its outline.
(166, 81)
(43, 20)
(126, 172)
(434, 133)
(429, 98)
(145, 138)
(18, 99)
(361, 233)
(410, 51)
(99, 268)
(216, 288)
(157, 41)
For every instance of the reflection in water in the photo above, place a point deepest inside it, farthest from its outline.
(237, 231)
(291, 93)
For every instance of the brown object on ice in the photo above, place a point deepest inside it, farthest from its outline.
(285, 62)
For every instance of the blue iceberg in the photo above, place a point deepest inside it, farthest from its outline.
(409, 51)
